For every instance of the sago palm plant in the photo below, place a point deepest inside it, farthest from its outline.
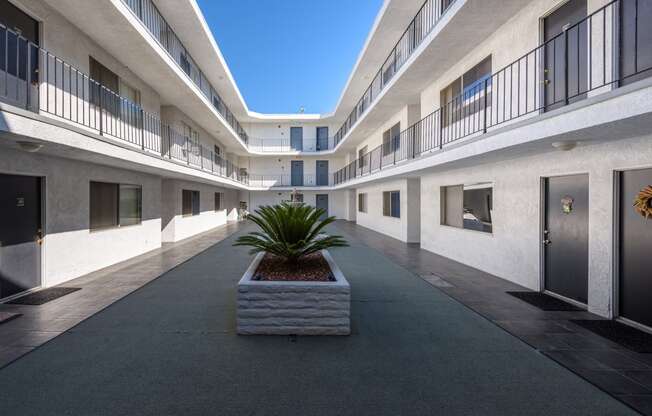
(290, 231)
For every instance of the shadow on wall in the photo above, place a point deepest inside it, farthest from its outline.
(172, 201)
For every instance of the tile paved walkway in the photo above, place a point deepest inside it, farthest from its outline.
(39, 324)
(170, 347)
(615, 369)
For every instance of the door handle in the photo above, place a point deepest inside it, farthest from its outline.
(546, 242)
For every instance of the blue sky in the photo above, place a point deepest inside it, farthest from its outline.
(287, 54)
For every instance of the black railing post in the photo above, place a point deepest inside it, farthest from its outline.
(566, 56)
(442, 110)
(486, 82)
(414, 139)
(28, 77)
(142, 129)
(394, 149)
(169, 143)
(101, 108)
(187, 150)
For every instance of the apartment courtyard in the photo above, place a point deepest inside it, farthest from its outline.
(170, 347)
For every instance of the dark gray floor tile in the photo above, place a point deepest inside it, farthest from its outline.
(642, 376)
(576, 360)
(642, 403)
(616, 360)
(614, 382)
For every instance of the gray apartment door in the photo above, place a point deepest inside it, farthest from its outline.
(322, 173)
(321, 201)
(566, 236)
(565, 70)
(296, 173)
(635, 271)
(322, 138)
(20, 233)
(296, 138)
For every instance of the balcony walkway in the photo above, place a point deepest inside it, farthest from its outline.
(170, 348)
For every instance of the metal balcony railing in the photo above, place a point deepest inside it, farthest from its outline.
(601, 52)
(425, 20)
(275, 181)
(284, 144)
(157, 26)
(34, 79)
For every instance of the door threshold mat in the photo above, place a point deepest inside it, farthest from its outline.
(545, 302)
(43, 296)
(631, 338)
(8, 316)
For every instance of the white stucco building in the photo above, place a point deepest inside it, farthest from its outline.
(512, 136)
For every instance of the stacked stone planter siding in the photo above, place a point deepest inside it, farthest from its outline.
(301, 308)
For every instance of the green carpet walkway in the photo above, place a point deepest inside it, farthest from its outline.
(170, 348)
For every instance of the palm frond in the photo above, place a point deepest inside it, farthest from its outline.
(290, 231)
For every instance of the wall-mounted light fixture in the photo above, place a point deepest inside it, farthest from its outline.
(30, 146)
(565, 146)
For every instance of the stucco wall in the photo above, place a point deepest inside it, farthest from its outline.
(70, 249)
(512, 251)
(402, 228)
(270, 136)
(177, 227)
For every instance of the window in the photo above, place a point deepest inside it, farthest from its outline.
(114, 205)
(193, 139)
(130, 210)
(468, 206)
(392, 139)
(130, 106)
(362, 202)
(129, 92)
(219, 201)
(109, 100)
(461, 97)
(185, 63)
(473, 79)
(296, 197)
(361, 156)
(392, 204)
(189, 203)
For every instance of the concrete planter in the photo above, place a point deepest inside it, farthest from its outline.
(301, 308)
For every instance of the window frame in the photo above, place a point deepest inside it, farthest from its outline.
(117, 217)
(392, 139)
(458, 100)
(194, 196)
(389, 206)
(362, 202)
(219, 201)
(445, 216)
(362, 153)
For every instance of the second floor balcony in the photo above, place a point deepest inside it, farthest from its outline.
(606, 50)
(288, 145)
(36, 80)
(297, 180)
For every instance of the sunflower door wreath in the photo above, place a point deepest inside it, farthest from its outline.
(643, 202)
